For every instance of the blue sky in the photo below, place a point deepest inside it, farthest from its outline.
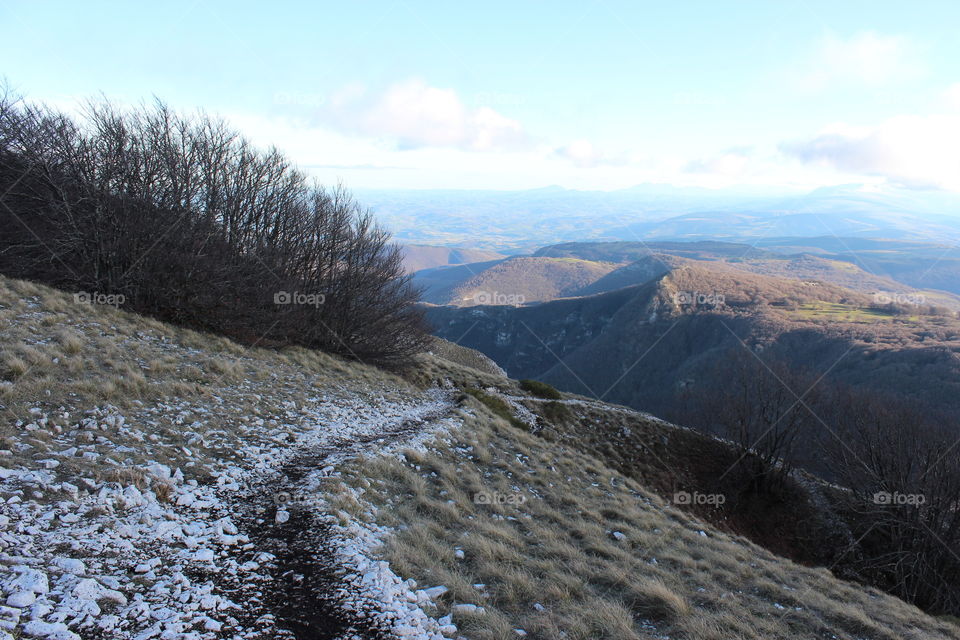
(589, 94)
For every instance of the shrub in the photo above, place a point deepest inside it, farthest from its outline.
(556, 412)
(540, 389)
(498, 407)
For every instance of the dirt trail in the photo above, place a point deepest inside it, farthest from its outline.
(307, 591)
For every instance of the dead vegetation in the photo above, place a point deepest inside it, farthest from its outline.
(553, 542)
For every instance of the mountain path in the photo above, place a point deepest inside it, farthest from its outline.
(308, 585)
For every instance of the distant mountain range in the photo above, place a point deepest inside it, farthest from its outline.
(520, 221)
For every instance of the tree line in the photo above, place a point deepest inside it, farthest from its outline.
(893, 461)
(188, 222)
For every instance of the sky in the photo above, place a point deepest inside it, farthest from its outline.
(593, 94)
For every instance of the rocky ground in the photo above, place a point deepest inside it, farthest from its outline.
(255, 551)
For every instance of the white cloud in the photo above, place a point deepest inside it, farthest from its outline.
(416, 115)
(952, 96)
(911, 150)
(730, 163)
(581, 152)
(866, 58)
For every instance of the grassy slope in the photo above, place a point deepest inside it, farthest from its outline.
(523, 279)
(61, 358)
(582, 550)
(659, 577)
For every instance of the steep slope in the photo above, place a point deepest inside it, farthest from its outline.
(538, 520)
(158, 482)
(147, 474)
(639, 272)
(641, 345)
(514, 281)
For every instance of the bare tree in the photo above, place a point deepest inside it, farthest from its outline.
(763, 406)
(189, 223)
(899, 462)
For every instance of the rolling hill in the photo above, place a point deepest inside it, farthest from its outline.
(516, 281)
(596, 267)
(419, 256)
(641, 345)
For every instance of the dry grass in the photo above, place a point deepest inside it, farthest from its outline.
(200, 394)
(582, 552)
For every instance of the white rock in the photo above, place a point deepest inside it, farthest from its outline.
(204, 555)
(147, 566)
(21, 599)
(467, 608)
(87, 589)
(30, 580)
(435, 592)
(282, 516)
(55, 631)
(71, 565)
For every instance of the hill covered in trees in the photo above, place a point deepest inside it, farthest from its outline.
(644, 345)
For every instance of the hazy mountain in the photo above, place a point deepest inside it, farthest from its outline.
(522, 220)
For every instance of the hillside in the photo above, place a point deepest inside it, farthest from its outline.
(923, 265)
(516, 281)
(421, 256)
(641, 345)
(867, 265)
(587, 268)
(159, 482)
